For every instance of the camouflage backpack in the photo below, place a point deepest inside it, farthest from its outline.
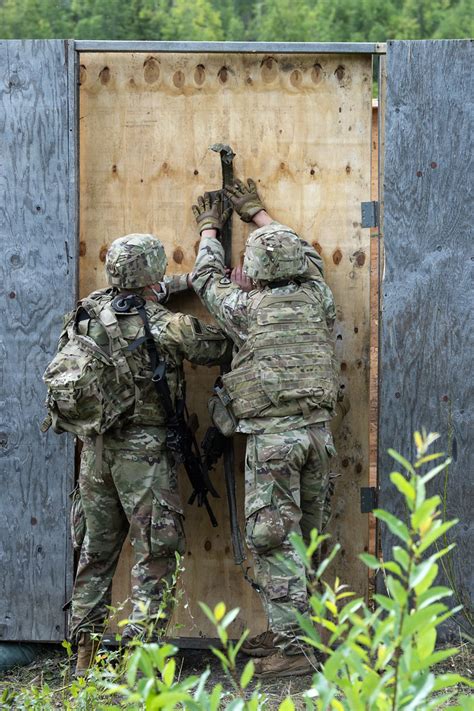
(90, 386)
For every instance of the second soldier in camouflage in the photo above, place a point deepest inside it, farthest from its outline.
(283, 389)
(127, 479)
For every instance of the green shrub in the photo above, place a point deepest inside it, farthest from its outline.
(383, 659)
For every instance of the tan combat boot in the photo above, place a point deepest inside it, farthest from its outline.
(280, 665)
(86, 651)
(262, 645)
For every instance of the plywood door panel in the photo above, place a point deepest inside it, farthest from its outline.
(37, 285)
(426, 343)
(301, 126)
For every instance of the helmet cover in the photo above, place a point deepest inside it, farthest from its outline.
(273, 252)
(135, 261)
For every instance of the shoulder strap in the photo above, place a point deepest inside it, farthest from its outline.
(123, 304)
(179, 438)
(105, 315)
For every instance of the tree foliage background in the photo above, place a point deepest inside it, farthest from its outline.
(238, 20)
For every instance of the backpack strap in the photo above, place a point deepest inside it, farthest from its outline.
(106, 316)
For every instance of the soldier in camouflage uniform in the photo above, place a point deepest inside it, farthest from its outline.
(282, 389)
(127, 477)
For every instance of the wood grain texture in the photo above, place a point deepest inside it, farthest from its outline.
(374, 325)
(301, 125)
(37, 285)
(427, 290)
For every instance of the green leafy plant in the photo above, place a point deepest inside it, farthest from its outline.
(374, 660)
(151, 681)
(383, 659)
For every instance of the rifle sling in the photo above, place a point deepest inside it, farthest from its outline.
(160, 382)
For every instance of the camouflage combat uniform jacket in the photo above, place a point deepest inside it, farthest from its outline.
(288, 456)
(128, 478)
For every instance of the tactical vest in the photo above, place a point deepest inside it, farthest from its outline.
(287, 365)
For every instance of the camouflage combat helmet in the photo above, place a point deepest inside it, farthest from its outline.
(273, 252)
(135, 261)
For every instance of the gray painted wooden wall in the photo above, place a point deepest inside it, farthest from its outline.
(427, 334)
(37, 285)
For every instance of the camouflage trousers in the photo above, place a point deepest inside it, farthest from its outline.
(127, 485)
(286, 485)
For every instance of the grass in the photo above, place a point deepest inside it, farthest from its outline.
(53, 668)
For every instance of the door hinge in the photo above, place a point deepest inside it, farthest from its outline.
(369, 213)
(368, 499)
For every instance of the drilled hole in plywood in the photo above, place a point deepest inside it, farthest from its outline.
(223, 74)
(269, 66)
(296, 78)
(360, 258)
(151, 70)
(178, 79)
(178, 255)
(200, 74)
(104, 75)
(317, 73)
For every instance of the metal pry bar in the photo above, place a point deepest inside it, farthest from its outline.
(227, 156)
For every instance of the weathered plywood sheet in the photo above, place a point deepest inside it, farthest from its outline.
(37, 285)
(374, 325)
(301, 126)
(427, 291)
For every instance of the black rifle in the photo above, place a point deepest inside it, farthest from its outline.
(213, 446)
(227, 156)
(180, 438)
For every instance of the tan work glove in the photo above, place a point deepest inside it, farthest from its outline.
(244, 199)
(209, 212)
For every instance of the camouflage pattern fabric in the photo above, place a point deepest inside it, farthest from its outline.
(178, 337)
(175, 283)
(287, 468)
(135, 261)
(274, 252)
(286, 487)
(229, 306)
(127, 478)
(287, 364)
(132, 489)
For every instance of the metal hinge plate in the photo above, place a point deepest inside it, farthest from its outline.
(368, 499)
(369, 213)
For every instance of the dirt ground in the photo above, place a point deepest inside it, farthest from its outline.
(49, 668)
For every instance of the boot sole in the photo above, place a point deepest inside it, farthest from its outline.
(284, 673)
(259, 652)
